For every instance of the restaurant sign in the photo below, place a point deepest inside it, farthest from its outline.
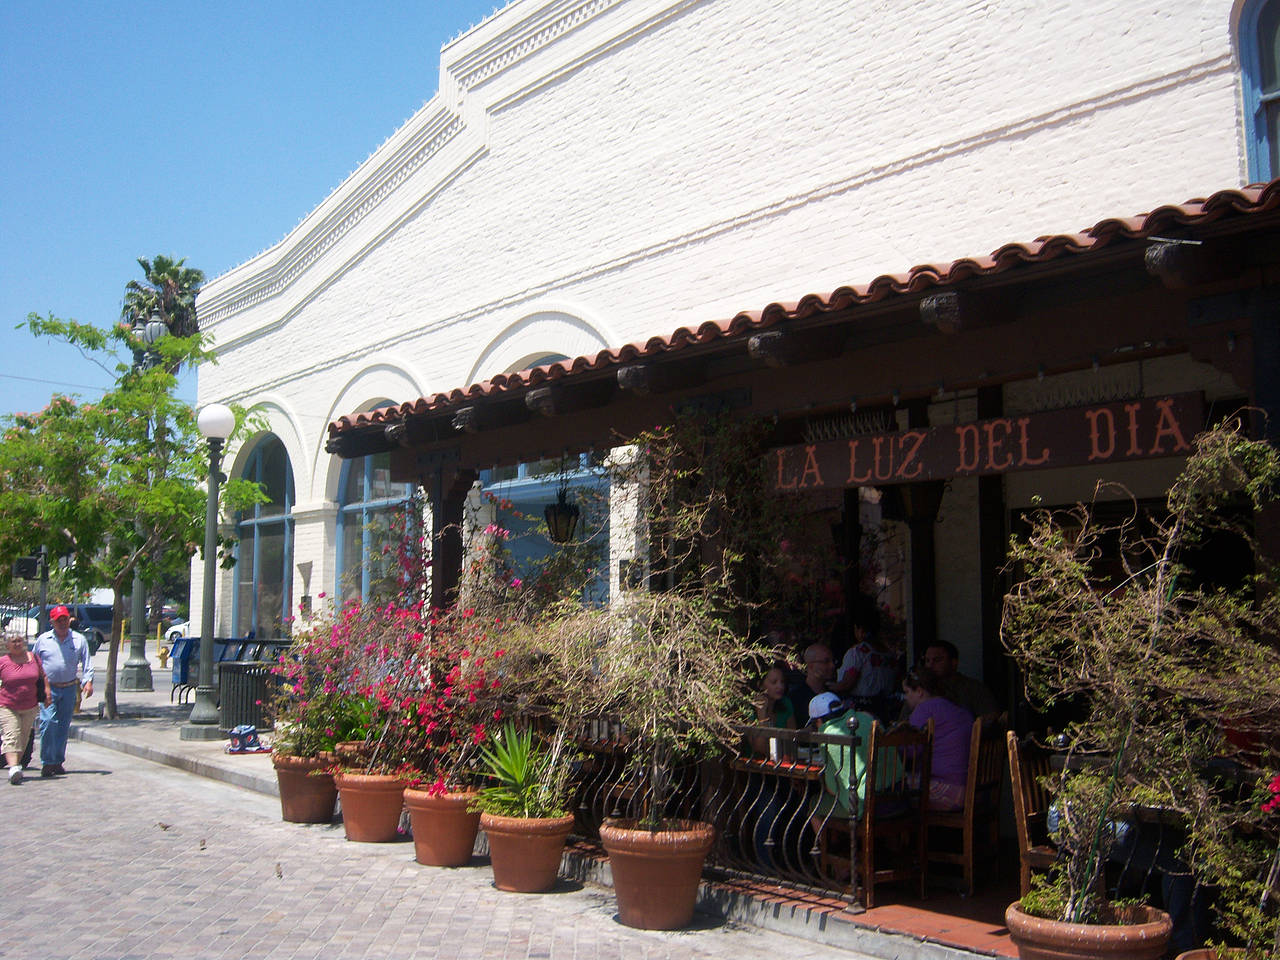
(1081, 436)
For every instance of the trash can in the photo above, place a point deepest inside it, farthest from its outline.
(244, 694)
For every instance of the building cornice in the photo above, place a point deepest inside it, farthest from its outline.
(500, 43)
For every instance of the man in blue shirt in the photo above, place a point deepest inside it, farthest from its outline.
(61, 651)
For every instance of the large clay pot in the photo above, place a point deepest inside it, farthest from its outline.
(444, 830)
(656, 874)
(1141, 933)
(1210, 953)
(371, 805)
(525, 853)
(307, 792)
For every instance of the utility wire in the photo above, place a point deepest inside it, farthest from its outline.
(63, 383)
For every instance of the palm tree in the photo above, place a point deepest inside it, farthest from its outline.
(169, 291)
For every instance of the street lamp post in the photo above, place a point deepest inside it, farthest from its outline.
(136, 672)
(216, 423)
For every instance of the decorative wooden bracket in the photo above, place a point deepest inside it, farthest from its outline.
(558, 399)
(783, 348)
(542, 400)
(1180, 264)
(468, 420)
(945, 311)
(644, 379)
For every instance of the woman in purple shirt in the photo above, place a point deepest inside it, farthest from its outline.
(20, 675)
(952, 727)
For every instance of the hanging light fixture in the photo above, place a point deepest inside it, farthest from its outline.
(561, 516)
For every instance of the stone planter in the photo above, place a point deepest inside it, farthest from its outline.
(1143, 934)
(656, 874)
(444, 831)
(307, 791)
(525, 853)
(371, 805)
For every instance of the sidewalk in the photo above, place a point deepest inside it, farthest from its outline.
(945, 927)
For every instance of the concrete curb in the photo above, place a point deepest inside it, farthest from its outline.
(247, 779)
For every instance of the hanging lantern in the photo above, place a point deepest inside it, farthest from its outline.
(562, 517)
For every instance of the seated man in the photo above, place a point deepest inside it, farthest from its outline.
(942, 659)
(819, 671)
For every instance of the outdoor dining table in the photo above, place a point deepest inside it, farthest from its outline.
(798, 771)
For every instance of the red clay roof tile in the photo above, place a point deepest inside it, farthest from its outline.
(1250, 200)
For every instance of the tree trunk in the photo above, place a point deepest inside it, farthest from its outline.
(110, 711)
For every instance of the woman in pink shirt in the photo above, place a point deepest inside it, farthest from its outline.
(20, 676)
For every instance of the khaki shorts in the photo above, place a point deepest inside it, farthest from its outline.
(15, 728)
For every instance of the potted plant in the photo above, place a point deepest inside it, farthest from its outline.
(523, 811)
(369, 772)
(1156, 662)
(313, 713)
(668, 664)
(442, 701)
(670, 674)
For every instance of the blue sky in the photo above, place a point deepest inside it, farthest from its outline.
(197, 130)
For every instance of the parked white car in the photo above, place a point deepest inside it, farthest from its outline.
(177, 630)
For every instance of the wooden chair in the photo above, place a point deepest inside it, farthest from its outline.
(898, 759)
(1028, 766)
(980, 816)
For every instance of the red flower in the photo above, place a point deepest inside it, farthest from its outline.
(1273, 804)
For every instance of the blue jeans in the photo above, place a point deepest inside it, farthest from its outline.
(55, 724)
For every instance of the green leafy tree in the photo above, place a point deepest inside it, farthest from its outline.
(99, 484)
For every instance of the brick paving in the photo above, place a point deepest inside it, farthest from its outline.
(145, 862)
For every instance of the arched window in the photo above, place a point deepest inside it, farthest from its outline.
(370, 508)
(264, 558)
(1260, 64)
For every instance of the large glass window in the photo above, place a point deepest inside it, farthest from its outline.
(264, 557)
(526, 489)
(370, 520)
(1260, 64)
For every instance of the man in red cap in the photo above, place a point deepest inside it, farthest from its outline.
(62, 652)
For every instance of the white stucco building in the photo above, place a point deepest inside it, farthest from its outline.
(593, 173)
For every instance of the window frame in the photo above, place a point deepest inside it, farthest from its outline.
(364, 508)
(257, 522)
(1258, 137)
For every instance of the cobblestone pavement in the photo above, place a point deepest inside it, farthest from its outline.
(125, 859)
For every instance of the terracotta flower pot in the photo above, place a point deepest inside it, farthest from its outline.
(371, 805)
(1209, 953)
(525, 852)
(307, 792)
(444, 831)
(656, 875)
(1142, 934)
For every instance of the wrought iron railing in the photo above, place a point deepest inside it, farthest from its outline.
(762, 794)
